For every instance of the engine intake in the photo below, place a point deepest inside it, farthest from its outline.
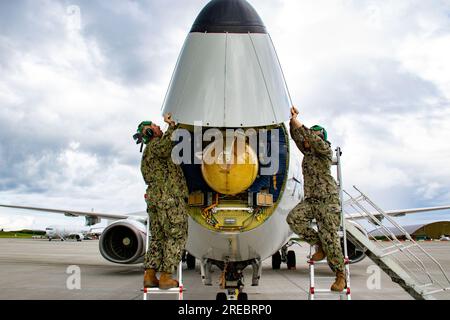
(123, 242)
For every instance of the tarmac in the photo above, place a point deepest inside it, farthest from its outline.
(33, 269)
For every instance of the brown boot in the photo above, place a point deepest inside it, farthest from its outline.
(340, 284)
(166, 281)
(150, 279)
(319, 255)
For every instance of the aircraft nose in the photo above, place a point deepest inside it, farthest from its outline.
(221, 16)
(229, 35)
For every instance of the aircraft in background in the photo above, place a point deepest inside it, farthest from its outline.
(64, 232)
(228, 75)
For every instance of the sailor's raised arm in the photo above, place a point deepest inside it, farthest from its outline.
(295, 126)
(163, 147)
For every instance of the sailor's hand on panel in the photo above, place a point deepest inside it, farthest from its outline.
(168, 119)
(295, 123)
(294, 113)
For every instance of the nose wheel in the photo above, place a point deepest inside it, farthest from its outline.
(221, 296)
(232, 295)
(242, 296)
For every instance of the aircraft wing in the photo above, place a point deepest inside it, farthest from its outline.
(396, 213)
(70, 213)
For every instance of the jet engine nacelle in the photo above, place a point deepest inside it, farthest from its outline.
(123, 242)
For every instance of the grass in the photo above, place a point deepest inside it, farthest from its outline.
(18, 234)
(15, 235)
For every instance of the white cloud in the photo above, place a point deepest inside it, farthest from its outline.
(9, 223)
(14, 220)
(427, 55)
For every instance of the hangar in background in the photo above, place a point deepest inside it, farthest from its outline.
(429, 231)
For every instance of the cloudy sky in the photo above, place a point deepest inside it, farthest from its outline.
(76, 77)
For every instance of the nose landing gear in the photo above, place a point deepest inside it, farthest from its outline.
(232, 280)
(232, 277)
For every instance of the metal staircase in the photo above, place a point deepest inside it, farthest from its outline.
(400, 257)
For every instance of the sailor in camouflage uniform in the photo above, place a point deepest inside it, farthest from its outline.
(321, 199)
(166, 205)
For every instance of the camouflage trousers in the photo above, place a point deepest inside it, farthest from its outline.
(168, 229)
(328, 218)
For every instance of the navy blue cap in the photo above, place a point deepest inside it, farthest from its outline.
(232, 16)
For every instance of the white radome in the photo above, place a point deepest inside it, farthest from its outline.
(228, 80)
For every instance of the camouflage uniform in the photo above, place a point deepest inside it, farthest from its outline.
(166, 205)
(321, 198)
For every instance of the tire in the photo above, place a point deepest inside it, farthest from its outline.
(291, 260)
(190, 261)
(221, 296)
(242, 296)
(276, 261)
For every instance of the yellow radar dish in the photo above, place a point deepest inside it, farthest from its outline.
(230, 170)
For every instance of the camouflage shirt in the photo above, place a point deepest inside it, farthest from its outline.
(164, 178)
(317, 161)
